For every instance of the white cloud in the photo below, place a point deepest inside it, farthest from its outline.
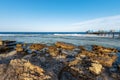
(105, 23)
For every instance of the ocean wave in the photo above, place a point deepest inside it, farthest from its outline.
(81, 35)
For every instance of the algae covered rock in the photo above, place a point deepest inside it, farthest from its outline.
(65, 45)
(104, 59)
(19, 48)
(53, 51)
(102, 49)
(37, 46)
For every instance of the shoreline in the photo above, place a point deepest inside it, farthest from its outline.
(60, 61)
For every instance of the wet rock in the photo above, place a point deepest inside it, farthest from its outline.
(119, 67)
(82, 48)
(6, 46)
(42, 59)
(65, 45)
(73, 52)
(7, 42)
(113, 69)
(96, 68)
(37, 46)
(4, 49)
(118, 49)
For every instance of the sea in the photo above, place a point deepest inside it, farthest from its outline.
(49, 38)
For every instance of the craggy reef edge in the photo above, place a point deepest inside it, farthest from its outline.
(61, 61)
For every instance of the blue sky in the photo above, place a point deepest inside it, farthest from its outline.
(59, 15)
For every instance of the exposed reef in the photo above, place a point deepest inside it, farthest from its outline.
(61, 61)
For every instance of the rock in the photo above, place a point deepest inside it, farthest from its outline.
(2, 68)
(74, 62)
(21, 69)
(26, 64)
(107, 61)
(74, 52)
(19, 48)
(96, 68)
(82, 48)
(47, 55)
(65, 45)
(7, 42)
(37, 46)
(53, 51)
(42, 59)
(119, 67)
(104, 59)
(1, 42)
(102, 49)
(6, 48)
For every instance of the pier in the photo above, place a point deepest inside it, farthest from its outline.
(110, 33)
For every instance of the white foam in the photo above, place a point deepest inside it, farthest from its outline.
(81, 35)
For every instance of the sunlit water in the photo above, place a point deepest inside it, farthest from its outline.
(77, 39)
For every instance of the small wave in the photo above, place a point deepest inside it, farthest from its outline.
(81, 35)
(67, 34)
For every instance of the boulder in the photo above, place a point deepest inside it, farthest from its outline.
(65, 45)
(37, 46)
(95, 68)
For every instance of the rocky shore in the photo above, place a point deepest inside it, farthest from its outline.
(61, 61)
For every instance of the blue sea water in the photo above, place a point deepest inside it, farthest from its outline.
(76, 38)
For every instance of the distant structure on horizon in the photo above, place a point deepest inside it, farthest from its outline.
(105, 33)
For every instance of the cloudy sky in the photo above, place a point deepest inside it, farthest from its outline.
(59, 15)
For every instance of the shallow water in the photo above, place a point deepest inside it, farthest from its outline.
(77, 39)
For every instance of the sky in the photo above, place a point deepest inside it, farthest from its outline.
(59, 15)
